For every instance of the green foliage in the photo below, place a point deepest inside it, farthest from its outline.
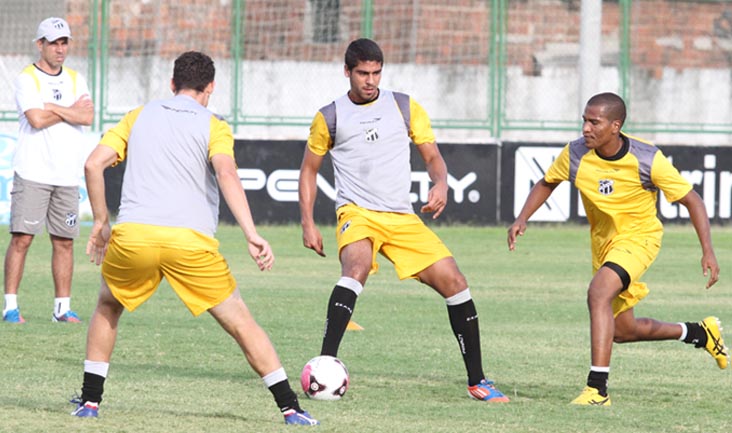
(171, 372)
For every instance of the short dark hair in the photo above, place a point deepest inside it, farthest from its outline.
(363, 50)
(193, 70)
(614, 105)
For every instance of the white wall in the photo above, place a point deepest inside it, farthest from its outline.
(297, 89)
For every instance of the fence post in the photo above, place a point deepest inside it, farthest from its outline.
(496, 65)
(625, 51)
(367, 19)
(92, 59)
(236, 58)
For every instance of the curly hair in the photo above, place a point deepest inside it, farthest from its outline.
(193, 70)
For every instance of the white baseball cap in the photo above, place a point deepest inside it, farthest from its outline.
(53, 28)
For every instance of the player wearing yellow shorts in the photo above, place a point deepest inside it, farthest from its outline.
(368, 133)
(618, 178)
(178, 156)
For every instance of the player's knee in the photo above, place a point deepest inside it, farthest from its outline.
(621, 338)
(21, 243)
(598, 296)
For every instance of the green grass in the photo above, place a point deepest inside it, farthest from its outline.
(171, 372)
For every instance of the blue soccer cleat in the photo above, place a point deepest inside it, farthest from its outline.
(13, 316)
(299, 418)
(485, 391)
(68, 317)
(86, 410)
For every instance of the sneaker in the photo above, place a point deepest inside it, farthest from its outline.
(591, 397)
(715, 344)
(13, 316)
(299, 418)
(86, 410)
(69, 317)
(485, 391)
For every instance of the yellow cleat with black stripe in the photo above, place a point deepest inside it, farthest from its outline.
(715, 343)
(591, 397)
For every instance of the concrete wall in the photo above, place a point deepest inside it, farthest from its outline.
(286, 91)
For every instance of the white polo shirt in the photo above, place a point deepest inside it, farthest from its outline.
(53, 155)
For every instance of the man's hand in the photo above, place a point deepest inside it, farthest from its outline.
(710, 267)
(96, 248)
(516, 229)
(436, 200)
(261, 252)
(311, 238)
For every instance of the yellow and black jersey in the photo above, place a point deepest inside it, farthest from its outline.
(619, 193)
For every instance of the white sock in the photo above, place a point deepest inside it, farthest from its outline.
(96, 367)
(61, 306)
(459, 298)
(276, 376)
(600, 369)
(684, 331)
(350, 284)
(11, 303)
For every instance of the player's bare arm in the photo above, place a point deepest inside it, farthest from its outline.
(538, 195)
(80, 112)
(700, 220)
(311, 237)
(437, 169)
(98, 161)
(235, 197)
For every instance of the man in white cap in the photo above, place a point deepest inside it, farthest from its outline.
(53, 105)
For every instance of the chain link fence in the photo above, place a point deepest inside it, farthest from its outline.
(484, 70)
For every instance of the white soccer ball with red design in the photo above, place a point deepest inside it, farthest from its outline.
(324, 378)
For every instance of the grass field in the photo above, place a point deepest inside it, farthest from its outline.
(174, 373)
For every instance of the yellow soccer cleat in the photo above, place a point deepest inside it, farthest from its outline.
(715, 343)
(591, 397)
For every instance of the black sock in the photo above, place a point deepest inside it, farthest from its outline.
(340, 308)
(695, 335)
(284, 396)
(464, 323)
(93, 388)
(598, 380)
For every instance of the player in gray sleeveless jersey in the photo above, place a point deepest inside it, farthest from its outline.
(368, 133)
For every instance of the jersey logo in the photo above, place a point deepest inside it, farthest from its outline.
(606, 186)
(57, 94)
(345, 226)
(372, 134)
(70, 219)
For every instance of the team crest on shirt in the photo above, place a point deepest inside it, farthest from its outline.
(70, 219)
(606, 186)
(372, 134)
(57, 94)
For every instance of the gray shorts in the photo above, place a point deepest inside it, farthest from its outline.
(34, 205)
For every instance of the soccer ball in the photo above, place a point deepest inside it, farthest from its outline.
(324, 378)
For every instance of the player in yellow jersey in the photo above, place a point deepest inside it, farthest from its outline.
(618, 177)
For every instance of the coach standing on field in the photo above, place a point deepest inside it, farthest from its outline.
(53, 105)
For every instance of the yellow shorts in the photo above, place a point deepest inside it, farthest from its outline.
(402, 238)
(635, 256)
(139, 255)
